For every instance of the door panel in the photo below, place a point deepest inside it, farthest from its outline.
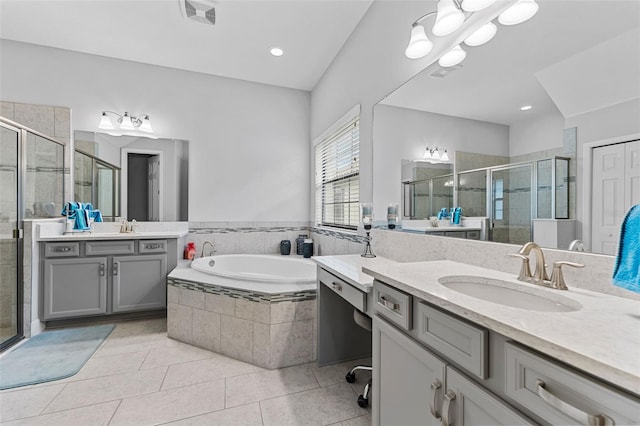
(511, 204)
(10, 245)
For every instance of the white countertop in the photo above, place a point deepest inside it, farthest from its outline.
(440, 228)
(349, 268)
(602, 338)
(80, 236)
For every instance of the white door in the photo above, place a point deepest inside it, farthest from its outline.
(154, 187)
(616, 185)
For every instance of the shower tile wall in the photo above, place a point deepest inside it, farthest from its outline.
(265, 237)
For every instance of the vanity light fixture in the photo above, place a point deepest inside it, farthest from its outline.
(451, 15)
(125, 122)
(433, 154)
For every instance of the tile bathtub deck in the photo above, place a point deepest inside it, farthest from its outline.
(141, 377)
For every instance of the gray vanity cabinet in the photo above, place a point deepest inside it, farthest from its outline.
(139, 282)
(87, 278)
(75, 287)
(414, 387)
(407, 380)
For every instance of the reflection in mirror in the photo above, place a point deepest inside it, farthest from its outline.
(475, 110)
(97, 182)
(427, 188)
(153, 181)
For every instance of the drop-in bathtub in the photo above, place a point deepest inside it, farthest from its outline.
(259, 309)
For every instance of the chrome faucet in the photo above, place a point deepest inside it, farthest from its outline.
(540, 276)
(212, 248)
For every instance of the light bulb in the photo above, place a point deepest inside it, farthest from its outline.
(449, 18)
(419, 44)
(444, 156)
(482, 35)
(105, 122)
(435, 155)
(476, 5)
(427, 154)
(518, 12)
(452, 57)
(126, 122)
(146, 125)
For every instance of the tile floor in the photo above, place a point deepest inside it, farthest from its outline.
(141, 377)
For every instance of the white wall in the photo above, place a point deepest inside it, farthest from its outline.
(539, 133)
(248, 142)
(400, 133)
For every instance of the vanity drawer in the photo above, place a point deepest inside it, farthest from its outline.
(392, 304)
(560, 395)
(473, 235)
(62, 249)
(465, 344)
(152, 246)
(355, 297)
(101, 248)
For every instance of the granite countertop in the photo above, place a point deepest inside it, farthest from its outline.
(54, 231)
(601, 338)
(349, 268)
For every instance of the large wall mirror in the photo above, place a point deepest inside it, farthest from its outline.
(572, 58)
(150, 176)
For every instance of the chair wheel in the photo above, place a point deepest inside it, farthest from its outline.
(363, 402)
(350, 377)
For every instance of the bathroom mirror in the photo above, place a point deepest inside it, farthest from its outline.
(556, 63)
(426, 189)
(153, 173)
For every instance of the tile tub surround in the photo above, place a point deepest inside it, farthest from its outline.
(407, 247)
(270, 331)
(265, 237)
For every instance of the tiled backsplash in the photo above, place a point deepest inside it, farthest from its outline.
(265, 237)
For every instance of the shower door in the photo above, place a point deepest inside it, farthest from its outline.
(10, 237)
(511, 204)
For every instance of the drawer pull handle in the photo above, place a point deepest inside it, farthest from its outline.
(446, 407)
(434, 392)
(101, 270)
(570, 410)
(61, 249)
(336, 286)
(389, 305)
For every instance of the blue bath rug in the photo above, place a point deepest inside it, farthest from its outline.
(51, 355)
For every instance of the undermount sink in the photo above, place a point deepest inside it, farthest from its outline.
(509, 294)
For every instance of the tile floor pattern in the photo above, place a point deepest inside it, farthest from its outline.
(141, 377)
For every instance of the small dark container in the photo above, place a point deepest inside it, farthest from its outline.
(299, 242)
(285, 247)
(307, 249)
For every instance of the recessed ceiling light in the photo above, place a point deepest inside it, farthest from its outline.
(276, 51)
(525, 108)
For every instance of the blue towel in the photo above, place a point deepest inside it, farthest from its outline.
(626, 273)
(80, 213)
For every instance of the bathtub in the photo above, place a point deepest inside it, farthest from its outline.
(259, 309)
(259, 273)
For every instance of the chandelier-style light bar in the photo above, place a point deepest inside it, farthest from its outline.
(451, 15)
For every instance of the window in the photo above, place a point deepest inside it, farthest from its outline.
(337, 177)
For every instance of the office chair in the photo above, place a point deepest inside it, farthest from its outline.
(365, 322)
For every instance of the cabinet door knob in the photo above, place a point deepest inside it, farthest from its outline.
(101, 269)
(336, 286)
(115, 268)
(446, 407)
(434, 395)
(570, 410)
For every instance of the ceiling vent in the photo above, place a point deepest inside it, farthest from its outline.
(442, 72)
(202, 11)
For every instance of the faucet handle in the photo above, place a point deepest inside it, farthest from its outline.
(525, 269)
(557, 279)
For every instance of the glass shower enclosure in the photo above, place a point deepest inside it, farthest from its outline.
(31, 186)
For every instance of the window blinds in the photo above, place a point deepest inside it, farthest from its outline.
(337, 177)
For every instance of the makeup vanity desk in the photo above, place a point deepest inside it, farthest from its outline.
(342, 286)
